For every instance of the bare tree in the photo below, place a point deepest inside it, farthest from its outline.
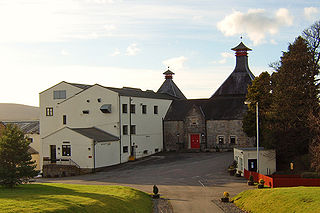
(312, 36)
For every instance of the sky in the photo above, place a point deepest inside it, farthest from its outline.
(131, 43)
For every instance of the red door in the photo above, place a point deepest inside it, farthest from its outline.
(195, 141)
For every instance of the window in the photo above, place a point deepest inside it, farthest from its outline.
(144, 109)
(232, 139)
(66, 150)
(59, 94)
(133, 129)
(85, 111)
(221, 139)
(132, 108)
(155, 110)
(49, 111)
(64, 119)
(124, 108)
(125, 149)
(125, 129)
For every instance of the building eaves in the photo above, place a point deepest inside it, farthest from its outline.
(96, 134)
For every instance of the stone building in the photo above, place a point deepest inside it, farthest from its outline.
(213, 123)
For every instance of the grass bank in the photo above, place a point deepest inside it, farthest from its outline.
(293, 199)
(74, 198)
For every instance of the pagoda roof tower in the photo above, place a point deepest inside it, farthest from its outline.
(169, 87)
(238, 81)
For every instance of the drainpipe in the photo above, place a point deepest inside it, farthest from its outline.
(130, 138)
(120, 125)
(94, 156)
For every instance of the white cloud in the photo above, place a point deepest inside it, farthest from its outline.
(224, 56)
(176, 63)
(132, 50)
(64, 52)
(256, 23)
(115, 52)
(109, 27)
(310, 13)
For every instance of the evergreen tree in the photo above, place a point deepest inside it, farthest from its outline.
(294, 98)
(259, 91)
(15, 161)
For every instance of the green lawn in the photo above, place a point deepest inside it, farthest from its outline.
(74, 198)
(293, 199)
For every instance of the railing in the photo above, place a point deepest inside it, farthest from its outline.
(61, 161)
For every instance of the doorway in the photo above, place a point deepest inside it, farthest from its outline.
(195, 141)
(53, 154)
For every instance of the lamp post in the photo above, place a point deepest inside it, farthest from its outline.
(257, 121)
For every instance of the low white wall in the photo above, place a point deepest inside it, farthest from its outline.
(107, 153)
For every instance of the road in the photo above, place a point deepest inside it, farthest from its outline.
(190, 180)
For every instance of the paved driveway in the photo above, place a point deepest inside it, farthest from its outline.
(189, 180)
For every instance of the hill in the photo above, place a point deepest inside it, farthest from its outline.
(18, 112)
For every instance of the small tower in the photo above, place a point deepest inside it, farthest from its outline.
(238, 81)
(169, 87)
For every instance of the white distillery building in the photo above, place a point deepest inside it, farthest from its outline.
(92, 126)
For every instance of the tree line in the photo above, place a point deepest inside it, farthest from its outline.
(288, 101)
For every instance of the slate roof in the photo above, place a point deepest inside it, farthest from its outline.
(96, 134)
(136, 92)
(28, 127)
(241, 46)
(169, 87)
(225, 108)
(81, 86)
(179, 108)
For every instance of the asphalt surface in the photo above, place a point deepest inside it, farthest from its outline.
(189, 180)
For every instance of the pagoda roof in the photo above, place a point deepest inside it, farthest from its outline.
(241, 46)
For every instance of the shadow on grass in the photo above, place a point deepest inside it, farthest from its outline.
(74, 198)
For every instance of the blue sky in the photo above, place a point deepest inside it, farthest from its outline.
(130, 43)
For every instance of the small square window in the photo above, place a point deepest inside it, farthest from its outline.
(124, 108)
(155, 110)
(49, 111)
(59, 94)
(133, 129)
(125, 149)
(66, 150)
(125, 129)
(221, 139)
(132, 108)
(144, 109)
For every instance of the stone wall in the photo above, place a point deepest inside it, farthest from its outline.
(171, 140)
(227, 128)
